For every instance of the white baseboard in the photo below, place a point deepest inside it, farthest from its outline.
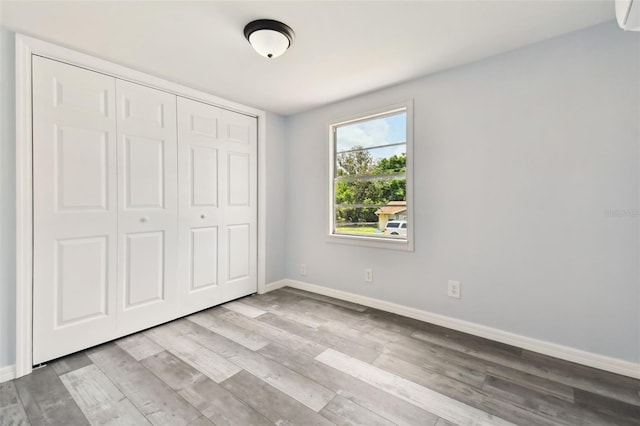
(7, 373)
(602, 362)
(276, 285)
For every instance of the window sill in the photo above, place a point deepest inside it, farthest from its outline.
(372, 242)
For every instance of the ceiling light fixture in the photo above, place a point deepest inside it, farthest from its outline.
(268, 37)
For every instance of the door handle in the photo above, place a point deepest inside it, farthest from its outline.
(203, 216)
(144, 219)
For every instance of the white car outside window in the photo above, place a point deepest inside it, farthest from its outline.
(396, 228)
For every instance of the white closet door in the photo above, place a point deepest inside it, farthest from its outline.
(239, 197)
(200, 218)
(147, 219)
(75, 209)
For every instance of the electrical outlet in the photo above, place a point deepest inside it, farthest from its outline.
(303, 269)
(368, 275)
(454, 289)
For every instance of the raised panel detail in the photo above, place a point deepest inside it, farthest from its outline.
(239, 249)
(204, 177)
(144, 112)
(83, 98)
(81, 279)
(204, 257)
(204, 126)
(144, 172)
(144, 268)
(239, 177)
(238, 133)
(81, 169)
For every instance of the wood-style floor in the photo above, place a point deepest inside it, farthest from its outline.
(295, 358)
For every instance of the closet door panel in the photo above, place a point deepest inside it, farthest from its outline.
(239, 251)
(144, 173)
(147, 220)
(204, 258)
(200, 214)
(81, 185)
(81, 283)
(74, 209)
(144, 268)
(239, 190)
(239, 143)
(203, 175)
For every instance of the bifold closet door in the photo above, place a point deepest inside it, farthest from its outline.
(218, 211)
(239, 196)
(74, 209)
(148, 207)
(200, 218)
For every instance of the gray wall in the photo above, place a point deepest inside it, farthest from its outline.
(275, 197)
(526, 191)
(7, 198)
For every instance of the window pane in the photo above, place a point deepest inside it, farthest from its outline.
(374, 132)
(376, 161)
(369, 188)
(366, 222)
(371, 192)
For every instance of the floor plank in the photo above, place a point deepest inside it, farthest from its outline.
(436, 403)
(394, 409)
(443, 384)
(244, 309)
(558, 411)
(289, 382)
(276, 335)
(322, 337)
(156, 400)
(304, 306)
(273, 404)
(139, 346)
(622, 412)
(70, 363)
(582, 377)
(172, 370)
(344, 412)
(11, 409)
(322, 298)
(468, 368)
(99, 399)
(293, 384)
(439, 360)
(201, 421)
(46, 400)
(202, 359)
(460, 391)
(221, 406)
(211, 319)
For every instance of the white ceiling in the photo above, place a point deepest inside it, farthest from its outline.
(341, 48)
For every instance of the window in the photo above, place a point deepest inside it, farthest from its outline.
(370, 178)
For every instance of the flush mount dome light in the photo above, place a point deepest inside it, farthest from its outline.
(268, 37)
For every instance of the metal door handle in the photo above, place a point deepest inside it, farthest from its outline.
(203, 216)
(144, 219)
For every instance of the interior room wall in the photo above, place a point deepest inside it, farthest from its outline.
(275, 198)
(7, 198)
(526, 191)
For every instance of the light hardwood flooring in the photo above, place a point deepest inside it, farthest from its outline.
(295, 358)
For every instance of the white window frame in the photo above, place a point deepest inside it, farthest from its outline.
(372, 240)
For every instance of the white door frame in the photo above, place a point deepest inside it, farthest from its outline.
(26, 47)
